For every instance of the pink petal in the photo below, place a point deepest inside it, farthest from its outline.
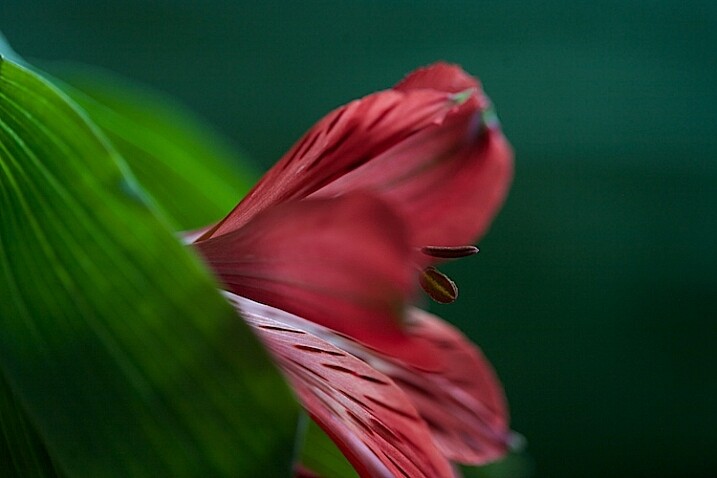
(455, 390)
(342, 262)
(361, 131)
(369, 418)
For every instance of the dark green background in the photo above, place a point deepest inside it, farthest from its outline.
(595, 293)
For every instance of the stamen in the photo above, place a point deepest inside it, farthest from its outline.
(438, 286)
(449, 252)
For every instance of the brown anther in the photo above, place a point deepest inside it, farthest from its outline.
(449, 252)
(438, 286)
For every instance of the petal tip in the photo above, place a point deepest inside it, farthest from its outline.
(442, 76)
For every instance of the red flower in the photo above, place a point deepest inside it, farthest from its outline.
(323, 255)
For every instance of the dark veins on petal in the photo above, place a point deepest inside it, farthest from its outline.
(342, 394)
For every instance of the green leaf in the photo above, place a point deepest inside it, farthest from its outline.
(321, 455)
(187, 168)
(22, 452)
(113, 337)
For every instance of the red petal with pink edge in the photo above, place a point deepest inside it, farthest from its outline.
(461, 399)
(370, 419)
(341, 262)
(348, 138)
(455, 390)
(448, 181)
(455, 202)
(439, 76)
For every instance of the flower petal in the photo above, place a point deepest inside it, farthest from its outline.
(370, 419)
(461, 398)
(342, 262)
(448, 181)
(455, 391)
(352, 136)
(423, 146)
(439, 76)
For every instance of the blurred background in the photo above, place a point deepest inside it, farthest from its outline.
(595, 294)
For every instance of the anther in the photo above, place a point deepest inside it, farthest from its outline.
(449, 252)
(438, 286)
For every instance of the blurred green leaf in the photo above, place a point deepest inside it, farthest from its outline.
(114, 339)
(22, 452)
(321, 455)
(190, 171)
